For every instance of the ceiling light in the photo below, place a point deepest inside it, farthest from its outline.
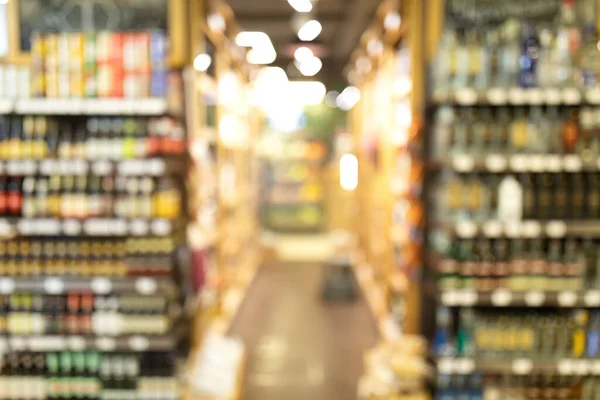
(262, 50)
(392, 21)
(309, 67)
(303, 54)
(261, 56)
(331, 99)
(201, 62)
(310, 30)
(302, 6)
(216, 22)
(348, 172)
(374, 47)
(349, 98)
(307, 92)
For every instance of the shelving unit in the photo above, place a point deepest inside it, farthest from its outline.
(490, 270)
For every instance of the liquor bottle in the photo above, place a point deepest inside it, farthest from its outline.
(546, 63)
(461, 78)
(529, 209)
(586, 124)
(530, 50)
(3, 196)
(476, 59)
(443, 73)
(442, 343)
(510, 54)
(589, 58)
(15, 141)
(593, 336)
(537, 138)
(519, 134)
(580, 320)
(464, 340)
(568, 41)
(28, 137)
(92, 142)
(555, 264)
(29, 209)
(545, 196)
(561, 197)
(14, 198)
(79, 147)
(52, 135)
(65, 145)
(577, 203)
(459, 135)
(570, 132)
(479, 132)
(166, 199)
(116, 141)
(4, 137)
(592, 194)
(510, 200)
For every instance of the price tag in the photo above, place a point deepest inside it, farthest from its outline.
(496, 163)
(106, 344)
(553, 163)
(593, 95)
(7, 285)
(572, 163)
(501, 297)
(72, 227)
(567, 299)
(80, 167)
(464, 366)
(592, 298)
(17, 343)
(139, 343)
(571, 96)
(139, 227)
(48, 167)
(517, 96)
(450, 298)
(565, 367)
(492, 229)
(445, 366)
(146, 286)
(531, 229)
(466, 229)
(552, 96)
(467, 297)
(595, 367)
(76, 343)
(101, 285)
(556, 229)
(157, 167)
(466, 96)
(463, 163)
(522, 366)
(581, 367)
(131, 167)
(518, 163)
(102, 168)
(534, 298)
(513, 229)
(537, 163)
(496, 96)
(161, 227)
(54, 285)
(6, 106)
(535, 96)
(5, 227)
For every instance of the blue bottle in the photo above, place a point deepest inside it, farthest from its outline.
(593, 337)
(442, 345)
(530, 52)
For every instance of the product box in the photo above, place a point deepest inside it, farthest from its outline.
(158, 50)
(38, 86)
(116, 63)
(158, 83)
(76, 65)
(63, 65)
(89, 65)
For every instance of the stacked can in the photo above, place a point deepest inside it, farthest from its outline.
(158, 56)
(103, 66)
(76, 82)
(64, 89)
(89, 65)
(51, 65)
(38, 77)
(136, 64)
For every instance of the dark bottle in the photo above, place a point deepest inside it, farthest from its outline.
(4, 137)
(561, 197)
(530, 51)
(577, 203)
(65, 144)
(53, 138)
(570, 132)
(15, 142)
(592, 195)
(545, 201)
(529, 209)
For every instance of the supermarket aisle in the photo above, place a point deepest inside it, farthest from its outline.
(299, 346)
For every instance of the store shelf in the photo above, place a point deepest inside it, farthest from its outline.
(522, 229)
(509, 298)
(517, 96)
(497, 163)
(99, 285)
(133, 167)
(71, 106)
(137, 343)
(519, 366)
(88, 227)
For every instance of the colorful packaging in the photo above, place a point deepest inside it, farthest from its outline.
(89, 65)
(158, 50)
(76, 63)
(12, 81)
(38, 86)
(103, 67)
(116, 63)
(158, 84)
(63, 65)
(51, 65)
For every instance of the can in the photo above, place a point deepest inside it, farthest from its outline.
(89, 65)
(37, 65)
(158, 83)
(103, 40)
(116, 63)
(158, 50)
(129, 53)
(142, 50)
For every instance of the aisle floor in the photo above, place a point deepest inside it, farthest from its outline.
(299, 346)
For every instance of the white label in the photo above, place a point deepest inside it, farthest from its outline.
(537, 163)
(595, 367)
(48, 167)
(106, 344)
(445, 366)
(72, 227)
(501, 297)
(464, 366)
(492, 229)
(535, 96)
(593, 95)
(157, 167)
(592, 298)
(5, 227)
(161, 227)
(513, 229)
(552, 96)
(146, 286)
(7, 285)
(534, 298)
(571, 96)
(101, 285)
(581, 367)
(553, 163)
(76, 343)
(467, 297)
(139, 227)
(463, 163)
(496, 96)
(556, 229)
(565, 367)
(139, 343)
(496, 163)
(522, 366)
(567, 299)
(54, 286)
(102, 168)
(572, 163)
(17, 343)
(466, 96)
(450, 298)
(518, 162)
(517, 96)
(531, 229)
(466, 229)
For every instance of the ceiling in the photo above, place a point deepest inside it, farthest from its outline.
(343, 23)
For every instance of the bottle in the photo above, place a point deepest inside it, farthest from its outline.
(54, 198)
(28, 137)
(476, 59)
(555, 265)
(463, 65)
(510, 200)
(580, 320)
(442, 344)
(568, 41)
(14, 199)
(529, 209)
(519, 134)
(92, 149)
(593, 336)
(15, 141)
(443, 73)
(545, 196)
(65, 145)
(577, 191)
(166, 199)
(510, 53)
(67, 209)
(40, 146)
(592, 183)
(589, 57)
(29, 209)
(3, 196)
(584, 144)
(464, 341)
(530, 51)
(546, 64)
(4, 137)
(561, 197)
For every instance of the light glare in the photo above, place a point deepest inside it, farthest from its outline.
(392, 21)
(349, 172)
(349, 98)
(201, 62)
(310, 67)
(303, 54)
(310, 30)
(302, 6)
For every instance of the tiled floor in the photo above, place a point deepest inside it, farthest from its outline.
(301, 347)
